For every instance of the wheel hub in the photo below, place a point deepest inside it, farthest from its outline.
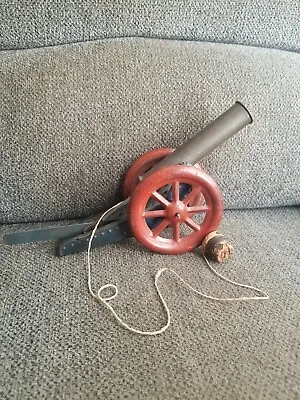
(176, 212)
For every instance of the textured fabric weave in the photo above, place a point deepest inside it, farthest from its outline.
(266, 23)
(74, 118)
(58, 343)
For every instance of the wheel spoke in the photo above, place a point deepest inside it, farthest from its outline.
(197, 209)
(192, 224)
(154, 213)
(176, 232)
(200, 199)
(160, 227)
(192, 195)
(175, 191)
(157, 196)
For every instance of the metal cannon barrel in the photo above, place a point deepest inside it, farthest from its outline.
(199, 146)
(209, 138)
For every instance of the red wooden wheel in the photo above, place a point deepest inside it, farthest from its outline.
(176, 230)
(140, 167)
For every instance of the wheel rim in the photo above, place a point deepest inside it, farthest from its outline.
(175, 214)
(140, 167)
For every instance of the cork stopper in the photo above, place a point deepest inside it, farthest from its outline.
(216, 247)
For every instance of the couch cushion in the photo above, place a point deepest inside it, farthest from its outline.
(57, 342)
(265, 23)
(74, 117)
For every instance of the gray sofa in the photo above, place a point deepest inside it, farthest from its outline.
(86, 88)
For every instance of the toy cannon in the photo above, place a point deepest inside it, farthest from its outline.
(170, 205)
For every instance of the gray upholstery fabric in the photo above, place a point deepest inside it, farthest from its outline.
(58, 343)
(265, 23)
(74, 118)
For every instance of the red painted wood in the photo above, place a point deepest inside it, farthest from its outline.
(175, 212)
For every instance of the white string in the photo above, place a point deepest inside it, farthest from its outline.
(105, 300)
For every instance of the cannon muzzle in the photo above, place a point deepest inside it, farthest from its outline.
(209, 138)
